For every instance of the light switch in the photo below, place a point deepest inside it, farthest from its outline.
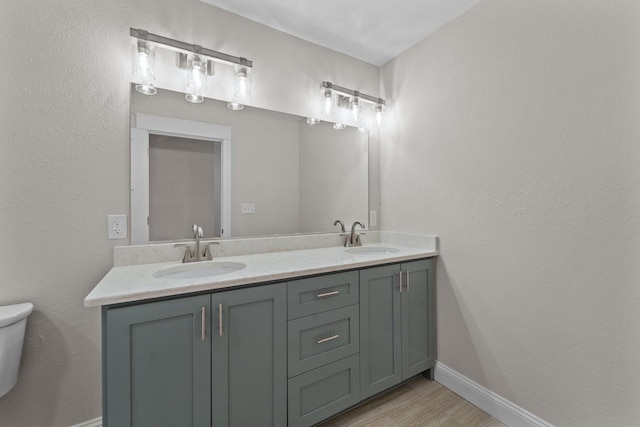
(248, 208)
(373, 218)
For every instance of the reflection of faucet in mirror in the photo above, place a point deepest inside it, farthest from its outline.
(197, 254)
(353, 239)
(337, 221)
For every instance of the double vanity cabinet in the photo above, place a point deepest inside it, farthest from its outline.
(290, 353)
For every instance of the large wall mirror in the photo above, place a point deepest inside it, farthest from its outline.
(244, 173)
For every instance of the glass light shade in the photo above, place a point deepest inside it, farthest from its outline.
(355, 108)
(339, 126)
(143, 67)
(235, 106)
(379, 108)
(312, 121)
(196, 79)
(242, 88)
(327, 101)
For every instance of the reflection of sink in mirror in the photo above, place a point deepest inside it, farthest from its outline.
(372, 250)
(199, 270)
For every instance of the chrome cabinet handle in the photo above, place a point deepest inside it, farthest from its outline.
(407, 280)
(203, 323)
(220, 319)
(327, 294)
(400, 281)
(332, 337)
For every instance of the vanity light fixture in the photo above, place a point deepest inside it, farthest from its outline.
(196, 60)
(312, 121)
(243, 82)
(327, 99)
(379, 108)
(196, 79)
(235, 106)
(339, 126)
(143, 67)
(355, 107)
(355, 97)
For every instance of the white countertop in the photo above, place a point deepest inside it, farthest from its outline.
(136, 282)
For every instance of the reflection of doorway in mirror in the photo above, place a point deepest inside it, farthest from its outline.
(184, 187)
(180, 176)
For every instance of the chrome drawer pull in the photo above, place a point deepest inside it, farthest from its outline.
(327, 294)
(220, 319)
(407, 280)
(332, 337)
(400, 281)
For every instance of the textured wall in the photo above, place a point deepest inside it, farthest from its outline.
(64, 164)
(516, 139)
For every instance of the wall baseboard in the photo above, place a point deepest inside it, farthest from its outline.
(497, 406)
(507, 412)
(96, 422)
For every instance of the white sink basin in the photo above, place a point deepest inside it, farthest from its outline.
(199, 270)
(371, 250)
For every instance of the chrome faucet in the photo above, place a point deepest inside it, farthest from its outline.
(197, 254)
(197, 234)
(337, 221)
(353, 239)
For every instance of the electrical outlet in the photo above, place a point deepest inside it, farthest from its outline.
(117, 226)
(248, 208)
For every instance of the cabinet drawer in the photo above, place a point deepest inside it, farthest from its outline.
(323, 392)
(323, 338)
(322, 293)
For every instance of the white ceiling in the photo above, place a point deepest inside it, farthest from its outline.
(375, 31)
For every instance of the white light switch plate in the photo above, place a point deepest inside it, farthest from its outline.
(248, 208)
(117, 226)
(373, 218)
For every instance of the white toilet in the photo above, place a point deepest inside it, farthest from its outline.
(13, 320)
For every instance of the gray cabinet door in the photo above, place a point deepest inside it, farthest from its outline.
(157, 365)
(418, 317)
(380, 329)
(318, 394)
(249, 357)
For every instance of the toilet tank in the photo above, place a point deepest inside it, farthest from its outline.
(13, 321)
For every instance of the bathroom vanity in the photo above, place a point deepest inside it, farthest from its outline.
(292, 339)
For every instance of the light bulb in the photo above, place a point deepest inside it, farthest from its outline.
(327, 101)
(355, 108)
(312, 121)
(339, 126)
(243, 83)
(143, 68)
(196, 79)
(379, 109)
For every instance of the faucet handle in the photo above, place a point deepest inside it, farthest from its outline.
(207, 250)
(188, 255)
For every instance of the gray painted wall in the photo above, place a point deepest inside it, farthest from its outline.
(516, 139)
(64, 165)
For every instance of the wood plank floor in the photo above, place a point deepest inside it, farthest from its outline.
(418, 403)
